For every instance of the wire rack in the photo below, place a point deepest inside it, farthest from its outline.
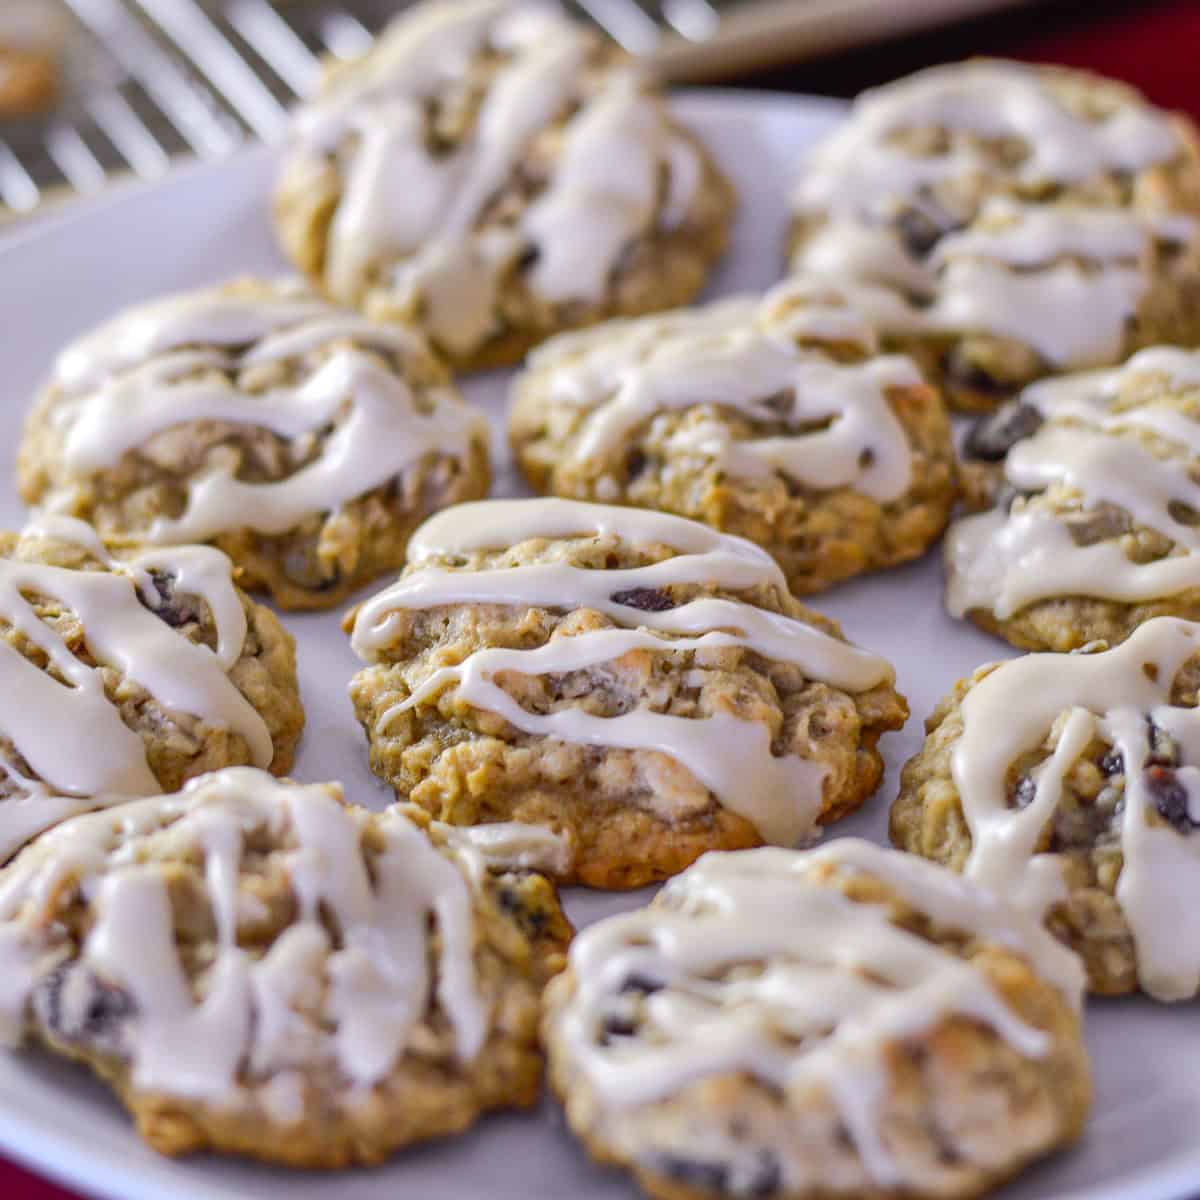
(148, 80)
(151, 79)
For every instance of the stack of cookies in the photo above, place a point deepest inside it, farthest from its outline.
(614, 683)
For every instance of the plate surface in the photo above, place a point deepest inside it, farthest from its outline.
(205, 224)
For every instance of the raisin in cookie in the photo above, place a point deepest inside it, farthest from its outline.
(305, 441)
(1012, 222)
(125, 676)
(258, 968)
(774, 419)
(1094, 482)
(846, 1021)
(1071, 783)
(637, 682)
(496, 173)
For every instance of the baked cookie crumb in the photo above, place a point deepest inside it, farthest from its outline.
(128, 674)
(1092, 525)
(642, 685)
(534, 181)
(258, 968)
(776, 419)
(1066, 783)
(303, 440)
(1023, 221)
(847, 1021)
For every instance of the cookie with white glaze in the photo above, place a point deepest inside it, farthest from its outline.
(1009, 222)
(642, 685)
(1094, 524)
(1071, 784)
(125, 675)
(258, 968)
(496, 173)
(305, 441)
(776, 419)
(842, 1022)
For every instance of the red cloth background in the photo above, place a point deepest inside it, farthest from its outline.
(1155, 46)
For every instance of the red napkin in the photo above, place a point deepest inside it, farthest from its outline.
(18, 1184)
(1152, 46)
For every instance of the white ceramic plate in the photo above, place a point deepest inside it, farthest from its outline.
(205, 224)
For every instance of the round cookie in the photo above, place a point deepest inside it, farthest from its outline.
(774, 419)
(1009, 222)
(642, 685)
(495, 173)
(842, 1022)
(258, 968)
(1094, 482)
(125, 676)
(1071, 784)
(304, 441)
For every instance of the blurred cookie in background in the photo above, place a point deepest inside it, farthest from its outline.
(33, 34)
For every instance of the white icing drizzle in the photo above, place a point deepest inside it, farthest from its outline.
(839, 982)
(243, 1021)
(1018, 269)
(63, 725)
(142, 374)
(1026, 235)
(403, 198)
(990, 100)
(604, 193)
(1002, 563)
(1073, 315)
(24, 816)
(780, 795)
(1108, 695)
(508, 846)
(724, 753)
(743, 356)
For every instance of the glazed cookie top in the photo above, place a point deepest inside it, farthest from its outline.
(745, 354)
(1057, 706)
(438, 119)
(1002, 199)
(1106, 503)
(382, 930)
(460, 558)
(55, 711)
(720, 984)
(333, 406)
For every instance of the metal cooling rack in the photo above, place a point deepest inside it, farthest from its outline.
(150, 79)
(147, 80)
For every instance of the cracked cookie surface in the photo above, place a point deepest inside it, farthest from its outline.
(773, 419)
(258, 968)
(847, 1021)
(1009, 222)
(303, 440)
(496, 173)
(637, 682)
